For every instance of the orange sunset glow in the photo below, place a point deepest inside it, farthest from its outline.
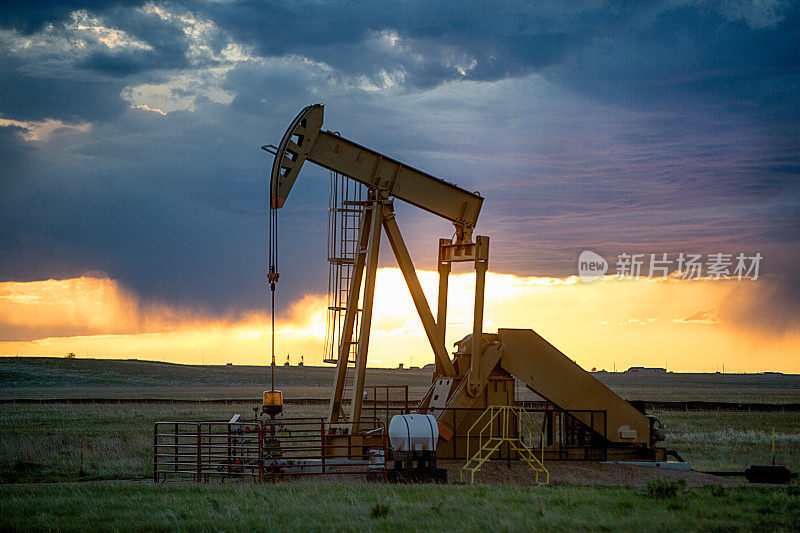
(687, 325)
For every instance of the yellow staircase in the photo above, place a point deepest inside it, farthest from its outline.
(493, 428)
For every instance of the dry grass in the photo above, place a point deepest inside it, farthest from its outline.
(37, 377)
(41, 377)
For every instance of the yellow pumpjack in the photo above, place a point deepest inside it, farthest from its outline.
(486, 366)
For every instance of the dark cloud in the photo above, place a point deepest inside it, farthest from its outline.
(690, 55)
(620, 127)
(653, 53)
(29, 17)
(28, 95)
(117, 65)
(176, 210)
(428, 41)
(775, 308)
(168, 42)
(15, 154)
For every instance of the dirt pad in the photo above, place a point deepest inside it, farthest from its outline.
(582, 473)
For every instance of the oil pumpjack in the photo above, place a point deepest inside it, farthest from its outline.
(486, 366)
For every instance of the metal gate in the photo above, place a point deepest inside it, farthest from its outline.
(206, 450)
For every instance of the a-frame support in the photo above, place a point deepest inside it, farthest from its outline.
(378, 214)
(366, 312)
(420, 302)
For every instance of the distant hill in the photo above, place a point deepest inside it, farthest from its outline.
(61, 377)
(57, 377)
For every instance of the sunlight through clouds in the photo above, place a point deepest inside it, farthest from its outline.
(43, 130)
(610, 322)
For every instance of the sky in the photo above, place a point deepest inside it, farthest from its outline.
(133, 197)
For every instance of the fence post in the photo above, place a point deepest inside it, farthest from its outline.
(385, 454)
(198, 476)
(455, 434)
(175, 448)
(229, 459)
(322, 441)
(155, 453)
(260, 452)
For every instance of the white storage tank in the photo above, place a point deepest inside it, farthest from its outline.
(413, 433)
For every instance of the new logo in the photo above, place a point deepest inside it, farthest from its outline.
(591, 266)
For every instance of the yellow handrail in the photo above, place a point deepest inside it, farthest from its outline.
(490, 411)
(522, 412)
(516, 441)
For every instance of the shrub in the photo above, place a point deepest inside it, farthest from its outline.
(660, 489)
(379, 510)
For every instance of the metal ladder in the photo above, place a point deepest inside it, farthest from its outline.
(345, 209)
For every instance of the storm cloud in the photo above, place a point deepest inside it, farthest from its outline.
(130, 131)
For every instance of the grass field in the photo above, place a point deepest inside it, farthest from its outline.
(378, 507)
(83, 447)
(68, 442)
(47, 442)
(39, 377)
(732, 440)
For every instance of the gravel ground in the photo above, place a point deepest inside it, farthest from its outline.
(498, 473)
(583, 473)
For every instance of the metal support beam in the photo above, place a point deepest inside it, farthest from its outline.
(335, 405)
(420, 302)
(373, 250)
(481, 265)
(441, 306)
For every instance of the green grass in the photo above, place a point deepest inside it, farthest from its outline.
(378, 507)
(733, 440)
(68, 442)
(84, 442)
